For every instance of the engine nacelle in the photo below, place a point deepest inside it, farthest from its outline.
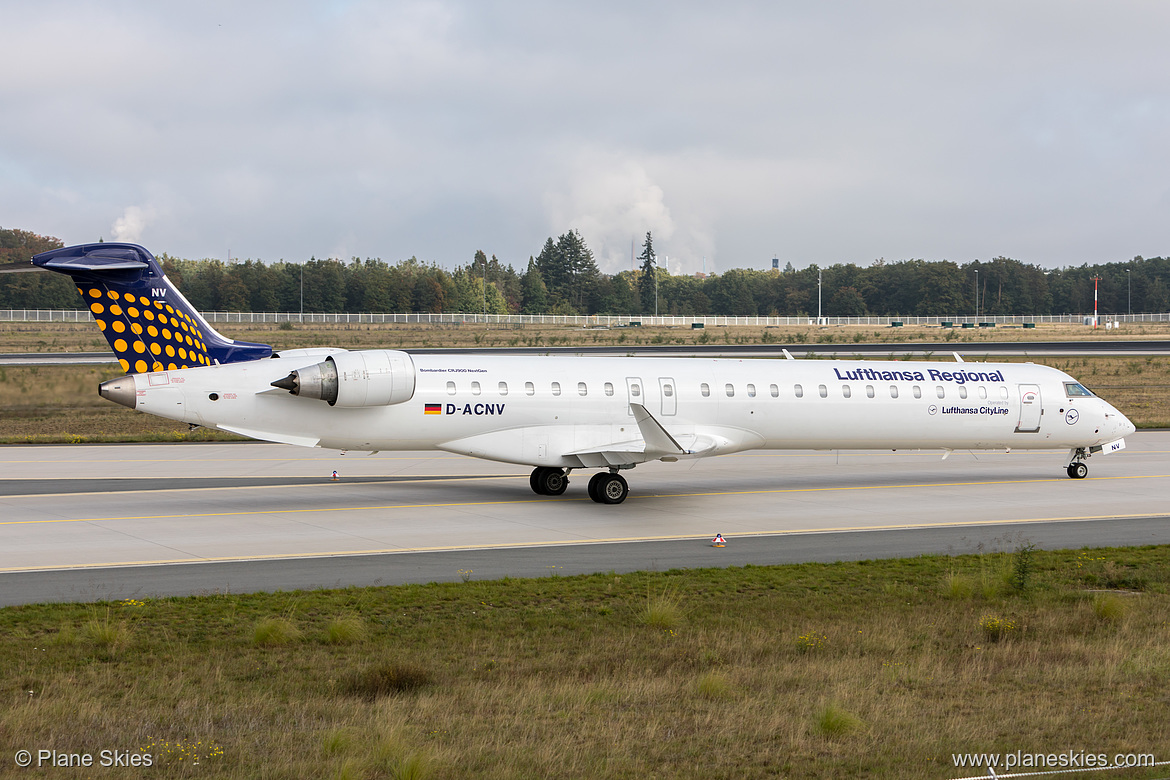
(351, 379)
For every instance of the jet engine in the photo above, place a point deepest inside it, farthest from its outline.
(352, 379)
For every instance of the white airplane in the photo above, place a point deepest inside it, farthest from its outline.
(558, 413)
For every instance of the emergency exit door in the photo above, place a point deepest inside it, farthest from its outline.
(667, 389)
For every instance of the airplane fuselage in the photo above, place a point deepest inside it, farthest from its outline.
(574, 412)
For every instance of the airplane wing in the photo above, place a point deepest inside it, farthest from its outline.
(656, 443)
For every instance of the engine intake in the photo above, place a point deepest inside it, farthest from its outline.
(354, 379)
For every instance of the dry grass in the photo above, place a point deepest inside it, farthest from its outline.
(273, 631)
(84, 337)
(563, 677)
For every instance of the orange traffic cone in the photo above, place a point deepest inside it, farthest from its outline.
(718, 541)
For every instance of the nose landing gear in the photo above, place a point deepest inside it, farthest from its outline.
(1077, 469)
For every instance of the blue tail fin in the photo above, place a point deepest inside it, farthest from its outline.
(148, 322)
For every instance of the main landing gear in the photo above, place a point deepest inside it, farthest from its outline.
(547, 481)
(604, 488)
(1077, 469)
(608, 488)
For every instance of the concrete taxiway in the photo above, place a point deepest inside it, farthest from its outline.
(112, 521)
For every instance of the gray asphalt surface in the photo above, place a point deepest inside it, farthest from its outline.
(83, 523)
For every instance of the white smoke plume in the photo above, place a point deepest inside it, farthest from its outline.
(611, 202)
(130, 225)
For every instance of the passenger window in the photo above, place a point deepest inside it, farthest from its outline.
(668, 390)
(503, 388)
(774, 390)
(450, 388)
(824, 391)
(799, 389)
(846, 391)
(982, 391)
(1003, 393)
(556, 388)
(893, 391)
(751, 390)
(609, 388)
(962, 391)
(730, 388)
(529, 388)
(582, 389)
(917, 391)
(705, 390)
(940, 391)
(475, 388)
(869, 391)
(635, 390)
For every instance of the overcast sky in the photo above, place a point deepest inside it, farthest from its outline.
(736, 132)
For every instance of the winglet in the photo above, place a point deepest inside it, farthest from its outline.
(958, 357)
(787, 354)
(658, 439)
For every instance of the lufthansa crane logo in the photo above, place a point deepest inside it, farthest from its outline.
(1071, 416)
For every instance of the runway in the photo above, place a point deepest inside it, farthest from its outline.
(113, 521)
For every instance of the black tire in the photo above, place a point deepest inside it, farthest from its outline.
(612, 489)
(553, 482)
(1078, 470)
(534, 480)
(594, 482)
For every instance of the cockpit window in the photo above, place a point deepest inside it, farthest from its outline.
(1077, 390)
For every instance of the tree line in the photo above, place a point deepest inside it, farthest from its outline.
(563, 278)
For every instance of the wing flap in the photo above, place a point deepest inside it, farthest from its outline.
(280, 438)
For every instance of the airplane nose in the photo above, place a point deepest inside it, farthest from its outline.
(1127, 427)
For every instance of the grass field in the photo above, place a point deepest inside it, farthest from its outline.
(876, 669)
(84, 337)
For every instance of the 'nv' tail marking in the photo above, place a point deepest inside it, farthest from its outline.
(146, 332)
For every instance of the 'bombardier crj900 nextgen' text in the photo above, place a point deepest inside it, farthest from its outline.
(559, 414)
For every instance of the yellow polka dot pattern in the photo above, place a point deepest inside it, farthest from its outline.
(146, 335)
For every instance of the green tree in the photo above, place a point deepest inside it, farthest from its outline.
(534, 294)
(648, 278)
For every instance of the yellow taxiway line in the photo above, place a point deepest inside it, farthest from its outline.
(557, 543)
(388, 507)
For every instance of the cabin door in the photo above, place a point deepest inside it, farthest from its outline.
(1030, 409)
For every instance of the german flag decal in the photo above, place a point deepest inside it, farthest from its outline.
(432, 409)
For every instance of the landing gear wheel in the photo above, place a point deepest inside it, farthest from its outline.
(612, 489)
(594, 489)
(1078, 470)
(547, 481)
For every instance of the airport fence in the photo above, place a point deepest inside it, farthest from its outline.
(600, 320)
